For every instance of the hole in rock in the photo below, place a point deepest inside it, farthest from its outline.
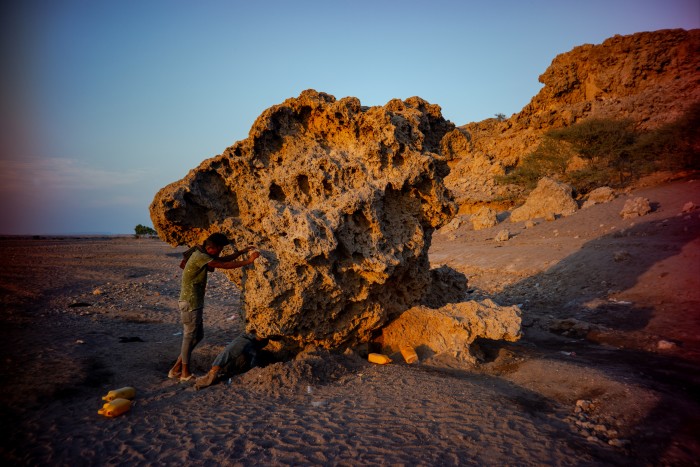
(276, 193)
(304, 185)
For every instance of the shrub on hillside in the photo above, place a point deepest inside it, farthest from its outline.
(613, 152)
(675, 146)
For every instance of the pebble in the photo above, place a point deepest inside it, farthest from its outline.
(665, 345)
(618, 443)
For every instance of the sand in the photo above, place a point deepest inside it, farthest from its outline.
(617, 385)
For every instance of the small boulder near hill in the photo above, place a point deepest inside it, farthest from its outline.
(549, 199)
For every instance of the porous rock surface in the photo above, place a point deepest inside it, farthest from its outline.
(341, 201)
(452, 328)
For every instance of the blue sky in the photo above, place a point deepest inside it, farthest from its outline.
(105, 102)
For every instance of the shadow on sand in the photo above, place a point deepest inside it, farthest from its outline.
(580, 287)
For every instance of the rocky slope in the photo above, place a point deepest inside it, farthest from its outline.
(649, 77)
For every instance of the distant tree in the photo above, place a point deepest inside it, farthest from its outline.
(143, 230)
(500, 117)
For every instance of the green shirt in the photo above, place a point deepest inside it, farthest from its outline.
(194, 279)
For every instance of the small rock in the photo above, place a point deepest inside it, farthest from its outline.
(484, 218)
(571, 327)
(599, 195)
(621, 255)
(665, 345)
(452, 226)
(636, 207)
(502, 236)
(618, 443)
(583, 404)
(688, 207)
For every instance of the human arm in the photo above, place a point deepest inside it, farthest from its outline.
(232, 264)
(235, 254)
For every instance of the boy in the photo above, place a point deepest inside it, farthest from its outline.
(201, 260)
(242, 354)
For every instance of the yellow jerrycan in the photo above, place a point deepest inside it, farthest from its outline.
(122, 393)
(115, 407)
(409, 354)
(378, 358)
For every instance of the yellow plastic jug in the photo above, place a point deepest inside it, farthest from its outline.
(121, 393)
(115, 407)
(378, 358)
(409, 354)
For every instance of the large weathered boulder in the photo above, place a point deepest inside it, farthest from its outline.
(341, 200)
(452, 328)
(549, 199)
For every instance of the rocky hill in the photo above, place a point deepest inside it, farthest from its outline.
(649, 77)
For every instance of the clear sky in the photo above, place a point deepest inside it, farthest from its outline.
(105, 102)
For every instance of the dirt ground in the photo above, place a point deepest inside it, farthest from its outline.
(606, 372)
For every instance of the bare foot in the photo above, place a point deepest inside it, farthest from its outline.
(206, 380)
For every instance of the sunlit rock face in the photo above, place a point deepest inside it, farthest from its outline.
(341, 200)
(452, 329)
(650, 78)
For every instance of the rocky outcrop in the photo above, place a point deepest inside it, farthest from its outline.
(651, 78)
(452, 328)
(548, 200)
(341, 200)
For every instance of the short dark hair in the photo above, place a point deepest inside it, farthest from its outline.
(217, 239)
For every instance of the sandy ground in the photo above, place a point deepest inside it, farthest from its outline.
(605, 374)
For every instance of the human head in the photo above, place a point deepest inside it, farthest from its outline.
(215, 243)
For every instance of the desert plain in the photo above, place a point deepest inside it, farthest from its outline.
(606, 372)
